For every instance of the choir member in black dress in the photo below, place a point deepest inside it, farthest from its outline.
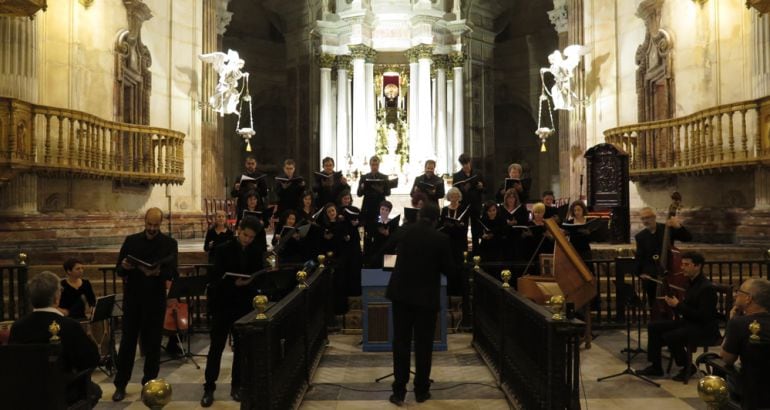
(306, 211)
(289, 187)
(472, 191)
(538, 240)
(374, 188)
(144, 298)
(522, 186)
(377, 234)
(454, 222)
(549, 200)
(579, 236)
(75, 291)
(287, 243)
(255, 182)
(218, 233)
(230, 299)
(349, 258)
(329, 184)
(253, 208)
(493, 233)
(332, 237)
(429, 183)
(516, 217)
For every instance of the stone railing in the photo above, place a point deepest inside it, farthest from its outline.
(61, 142)
(718, 138)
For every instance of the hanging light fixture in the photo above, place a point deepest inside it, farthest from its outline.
(245, 132)
(544, 132)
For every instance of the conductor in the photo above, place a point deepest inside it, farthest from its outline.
(423, 254)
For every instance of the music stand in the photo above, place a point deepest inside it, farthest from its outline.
(186, 287)
(631, 301)
(103, 312)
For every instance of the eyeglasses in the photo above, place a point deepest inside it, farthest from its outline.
(742, 291)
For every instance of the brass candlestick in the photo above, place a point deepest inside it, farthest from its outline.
(506, 277)
(754, 328)
(54, 329)
(557, 304)
(260, 303)
(156, 394)
(713, 391)
(302, 279)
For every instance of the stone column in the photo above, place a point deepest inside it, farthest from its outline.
(18, 79)
(326, 61)
(413, 111)
(358, 54)
(444, 162)
(425, 129)
(761, 46)
(449, 120)
(343, 132)
(457, 60)
(370, 136)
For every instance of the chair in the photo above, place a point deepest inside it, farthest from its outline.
(38, 381)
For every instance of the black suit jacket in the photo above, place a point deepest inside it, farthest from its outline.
(140, 288)
(79, 352)
(649, 244)
(699, 310)
(423, 254)
(227, 298)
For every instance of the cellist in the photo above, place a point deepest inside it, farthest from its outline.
(649, 244)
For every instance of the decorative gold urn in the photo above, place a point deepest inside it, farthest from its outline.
(54, 328)
(22, 258)
(557, 305)
(302, 279)
(260, 303)
(506, 277)
(156, 394)
(754, 328)
(713, 391)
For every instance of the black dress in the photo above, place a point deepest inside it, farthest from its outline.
(491, 248)
(376, 235)
(72, 299)
(513, 246)
(580, 239)
(454, 223)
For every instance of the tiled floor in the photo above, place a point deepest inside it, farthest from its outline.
(345, 380)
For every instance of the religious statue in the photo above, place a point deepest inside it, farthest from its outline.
(562, 67)
(228, 66)
(392, 139)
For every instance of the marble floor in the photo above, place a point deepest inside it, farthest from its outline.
(345, 380)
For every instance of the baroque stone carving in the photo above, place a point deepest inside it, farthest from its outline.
(133, 80)
(558, 16)
(223, 16)
(655, 74)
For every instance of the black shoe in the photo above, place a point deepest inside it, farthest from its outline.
(396, 399)
(235, 393)
(651, 371)
(421, 397)
(685, 373)
(208, 398)
(120, 394)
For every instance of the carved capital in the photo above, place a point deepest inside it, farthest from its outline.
(558, 16)
(359, 51)
(457, 59)
(223, 16)
(424, 51)
(371, 56)
(411, 54)
(440, 61)
(343, 62)
(326, 60)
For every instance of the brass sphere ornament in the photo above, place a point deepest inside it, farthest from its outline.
(557, 304)
(302, 279)
(260, 303)
(506, 277)
(713, 391)
(156, 394)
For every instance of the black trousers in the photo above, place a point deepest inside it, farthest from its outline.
(142, 315)
(412, 321)
(671, 333)
(221, 327)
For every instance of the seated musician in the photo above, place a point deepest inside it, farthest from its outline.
(752, 303)
(77, 295)
(697, 326)
(79, 353)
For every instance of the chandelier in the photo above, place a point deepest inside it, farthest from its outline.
(245, 132)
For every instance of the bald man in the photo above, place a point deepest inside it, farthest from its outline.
(144, 297)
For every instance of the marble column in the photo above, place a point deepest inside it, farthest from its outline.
(761, 48)
(449, 120)
(358, 54)
(343, 133)
(370, 135)
(18, 79)
(413, 111)
(444, 162)
(458, 125)
(326, 61)
(426, 149)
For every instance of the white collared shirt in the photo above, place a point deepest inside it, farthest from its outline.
(49, 310)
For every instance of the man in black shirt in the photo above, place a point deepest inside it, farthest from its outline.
(230, 299)
(752, 304)
(423, 255)
(256, 183)
(144, 297)
(429, 183)
(374, 191)
(472, 193)
(698, 324)
(288, 188)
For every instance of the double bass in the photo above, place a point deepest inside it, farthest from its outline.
(671, 281)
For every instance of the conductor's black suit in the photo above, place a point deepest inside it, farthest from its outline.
(423, 255)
